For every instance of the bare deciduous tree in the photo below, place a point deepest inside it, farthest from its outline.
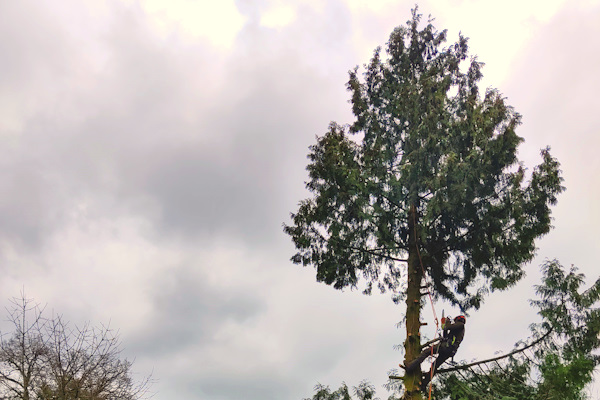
(49, 359)
(22, 354)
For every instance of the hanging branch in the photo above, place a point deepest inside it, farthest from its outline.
(459, 367)
(466, 366)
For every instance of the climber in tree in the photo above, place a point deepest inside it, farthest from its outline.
(445, 347)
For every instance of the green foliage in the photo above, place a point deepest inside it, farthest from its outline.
(570, 313)
(364, 391)
(506, 382)
(425, 139)
(561, 365)
(558, 367)
(569, 362)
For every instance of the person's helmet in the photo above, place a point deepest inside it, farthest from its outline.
(460, 318)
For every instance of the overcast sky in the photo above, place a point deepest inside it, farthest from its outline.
(153, 149)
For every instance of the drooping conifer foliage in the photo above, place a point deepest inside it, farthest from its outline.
(430, 161)
(558, 367)
(364, 391)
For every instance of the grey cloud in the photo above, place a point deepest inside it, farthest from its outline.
(261, 386)
(33, 60)
(187, 311)
(20, 205)
(131, 141)
(555, 85)
(32, 48)
(237, 189)
(556, 75)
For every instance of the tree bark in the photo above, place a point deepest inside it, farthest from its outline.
(412, 344)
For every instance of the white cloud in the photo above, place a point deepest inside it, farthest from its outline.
(219, 22)
(497, 30)
(278, 16)
(370, 5)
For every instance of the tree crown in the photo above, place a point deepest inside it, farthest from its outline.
(424, 139)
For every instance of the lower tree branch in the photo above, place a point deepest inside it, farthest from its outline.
(467, 366)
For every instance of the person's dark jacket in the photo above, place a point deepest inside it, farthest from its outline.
(454, 334)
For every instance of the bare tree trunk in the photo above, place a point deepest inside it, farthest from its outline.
(412, 345)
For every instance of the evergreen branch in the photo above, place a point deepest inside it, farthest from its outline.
(374, 253)
(392, 202)
(469, 233)
(466, 366)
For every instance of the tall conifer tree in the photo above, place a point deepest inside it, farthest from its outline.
(426, 180)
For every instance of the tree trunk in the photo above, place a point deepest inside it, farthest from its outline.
(412, 345)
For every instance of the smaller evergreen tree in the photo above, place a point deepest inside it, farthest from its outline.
(561, 365)
(364, 391)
